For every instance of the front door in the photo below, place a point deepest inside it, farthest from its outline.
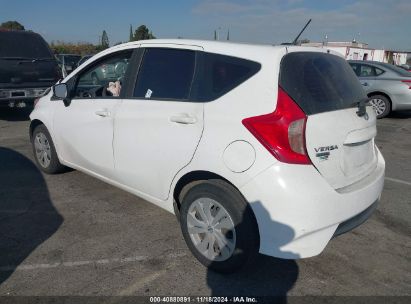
(84, 129)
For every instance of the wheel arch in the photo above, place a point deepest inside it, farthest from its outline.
(33, 124)
(190, 179)
(380, 93)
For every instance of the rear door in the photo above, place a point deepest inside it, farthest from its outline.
(158, 127)
(366, 74)
(340, 142)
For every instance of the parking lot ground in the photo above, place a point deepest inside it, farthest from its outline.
(71, 234)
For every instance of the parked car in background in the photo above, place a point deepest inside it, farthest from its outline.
(388, 86)
(255, 148)
(112, 70)
(68, 62)
(27, 67)
(406, 67)
(84, 59)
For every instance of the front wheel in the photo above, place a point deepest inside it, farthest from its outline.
(219, 226)
(45, 152)
(381, 105)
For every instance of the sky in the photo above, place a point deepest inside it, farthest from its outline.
(380, 23)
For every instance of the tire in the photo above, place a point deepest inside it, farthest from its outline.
(234, 238)
(44, 151)
(381, 105)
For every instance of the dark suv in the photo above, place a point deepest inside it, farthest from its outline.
(27, 67)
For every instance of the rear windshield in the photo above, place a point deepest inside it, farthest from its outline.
(23, 45)
(398, 70)
(319, 82)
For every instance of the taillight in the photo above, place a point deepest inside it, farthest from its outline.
(282, 132)
(407, 82)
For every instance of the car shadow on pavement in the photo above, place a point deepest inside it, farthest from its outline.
(400, 114)
(27, 215)
(265, 276)
(15, 114)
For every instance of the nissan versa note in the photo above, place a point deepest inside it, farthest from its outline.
(264, 149)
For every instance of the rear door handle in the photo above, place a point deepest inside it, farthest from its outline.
(183, 119)
(103, 113)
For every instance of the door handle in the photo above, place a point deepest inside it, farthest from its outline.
(103, 113)
(183, 119)
(365, 84)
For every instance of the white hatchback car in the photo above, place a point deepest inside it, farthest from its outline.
(264, 149)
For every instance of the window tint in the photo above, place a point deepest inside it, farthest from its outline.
(165, 74)
(378, 71)
(223, 73)
(319, 82)
(104, 78)
(367, 71)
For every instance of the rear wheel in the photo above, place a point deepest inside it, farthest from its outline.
(381, 105)
(45, 152)
(219, 226)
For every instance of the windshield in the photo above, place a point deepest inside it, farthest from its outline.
(319, 82)
(14, 45)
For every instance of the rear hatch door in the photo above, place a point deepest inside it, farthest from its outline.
(339, 137)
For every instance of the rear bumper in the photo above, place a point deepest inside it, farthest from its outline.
(401, 101)
(298, 212)
(21, 94)
(356, 220)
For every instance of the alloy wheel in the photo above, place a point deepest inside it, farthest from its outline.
(378, 105)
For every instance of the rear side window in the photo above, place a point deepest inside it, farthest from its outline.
(165, 74)
(319, 82)
(220, 74)
(15, 44)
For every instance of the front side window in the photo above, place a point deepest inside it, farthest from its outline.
(104, 78)
(165, 74)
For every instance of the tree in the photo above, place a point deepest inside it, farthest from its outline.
(143, 33)
(12, 25)
(228, 34)
(215, 35)
(131, 36)
(104, 40)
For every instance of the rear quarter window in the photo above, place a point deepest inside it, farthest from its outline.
(319, 82)
(219, 74)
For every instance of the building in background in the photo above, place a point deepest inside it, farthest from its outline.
(360, 51)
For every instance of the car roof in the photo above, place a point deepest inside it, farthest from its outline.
(245, 50)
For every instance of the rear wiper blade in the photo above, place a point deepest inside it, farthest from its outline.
(362, 106)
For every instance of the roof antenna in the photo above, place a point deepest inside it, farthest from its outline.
(298, 36)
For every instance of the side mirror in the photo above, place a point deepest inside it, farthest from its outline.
(60, 92)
